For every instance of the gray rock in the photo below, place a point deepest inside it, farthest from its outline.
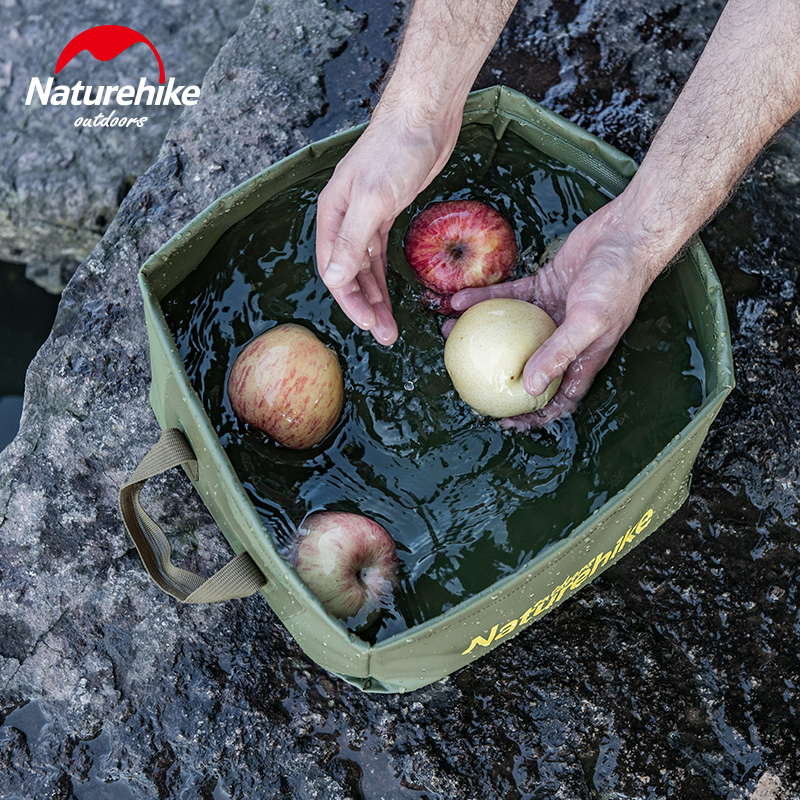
(60, 186)
(673, 675)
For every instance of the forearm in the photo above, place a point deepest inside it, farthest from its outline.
(745, 87)
(443, 47)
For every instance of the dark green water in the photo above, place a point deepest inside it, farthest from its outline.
(467, 502)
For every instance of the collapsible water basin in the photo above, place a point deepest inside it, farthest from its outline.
(494, 527)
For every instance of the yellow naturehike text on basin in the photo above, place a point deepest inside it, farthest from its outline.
(570, 585)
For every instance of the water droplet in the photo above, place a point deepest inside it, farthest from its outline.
(408, 386)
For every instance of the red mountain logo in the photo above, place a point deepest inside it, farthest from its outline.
(105, 42)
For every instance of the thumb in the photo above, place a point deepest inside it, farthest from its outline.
(350, 245)
(576, 334)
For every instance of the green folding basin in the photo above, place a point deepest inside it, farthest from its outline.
(476, 621)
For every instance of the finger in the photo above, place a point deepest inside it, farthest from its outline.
(350, 245)
(550, 292)
(331, 207)
(355, 305)
(554, 357)
(448, 326)
(574, 386)
(365, 300)
(377, 251)
(578, 379)
(557, 408)
(373, 288)
(521, 289)
(372, 275)
(521, 423)
(385, 328)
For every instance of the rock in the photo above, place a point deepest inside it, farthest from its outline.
(60, 186)
(63, 548)
(673, 675)
(613, 68)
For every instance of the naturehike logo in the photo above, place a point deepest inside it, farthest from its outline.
(572, 583)
(106, 42)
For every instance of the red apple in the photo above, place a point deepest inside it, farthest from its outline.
(287, 383)
(459, 244)
(348, 561)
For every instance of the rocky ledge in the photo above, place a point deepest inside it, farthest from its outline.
(673, 675)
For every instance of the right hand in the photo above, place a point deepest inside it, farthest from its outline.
(390, 164)
(592, 290)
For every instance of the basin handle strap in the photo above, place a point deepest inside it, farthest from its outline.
(240, 577)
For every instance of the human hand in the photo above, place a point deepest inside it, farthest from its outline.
(389, 165)
(591, 289)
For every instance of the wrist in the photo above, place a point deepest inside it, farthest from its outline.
(657, 229)
(403, 119)
(442, 49)
(414, 108)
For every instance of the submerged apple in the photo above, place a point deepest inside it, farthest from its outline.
(459, 244)
(348, 561)
(287, 383)
(486, 352)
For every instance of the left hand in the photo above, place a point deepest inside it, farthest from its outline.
(392, 161)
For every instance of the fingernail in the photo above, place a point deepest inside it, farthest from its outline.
(539, 383)
(335, 274)
(458, 300)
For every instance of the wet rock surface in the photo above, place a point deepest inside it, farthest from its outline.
(674, 675)
(61, 186)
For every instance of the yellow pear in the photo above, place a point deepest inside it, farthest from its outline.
(486, 352)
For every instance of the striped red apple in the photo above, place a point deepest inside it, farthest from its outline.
(287, 383)
(458, 244)
(348, 561)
